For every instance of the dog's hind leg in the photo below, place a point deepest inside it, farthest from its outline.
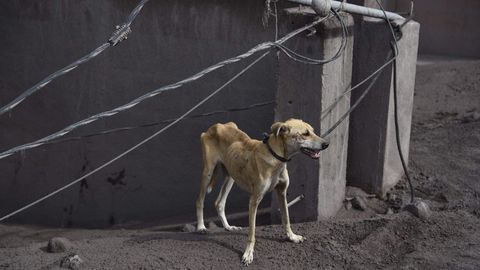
(208, 172)
(210, 169)
(220, 203)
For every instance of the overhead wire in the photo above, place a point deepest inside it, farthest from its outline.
(133, 103)
(136, 145)
(285, 49)
(166, 121)
(310, 61)
(118, 35)
(358, 101)
(285, 38)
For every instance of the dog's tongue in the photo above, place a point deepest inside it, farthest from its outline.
(311, 153)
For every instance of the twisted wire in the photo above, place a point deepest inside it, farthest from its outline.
(12, 104)
(133, 103)
(136, 145)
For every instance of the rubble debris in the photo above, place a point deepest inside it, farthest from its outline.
(188, 228)
(58, 245)
(394, 201)
(212, 225)
(71, 261)
(359, 203)
(469, 117)
(419, 209)
(348, 205)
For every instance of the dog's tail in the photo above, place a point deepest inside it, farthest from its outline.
(213, 180)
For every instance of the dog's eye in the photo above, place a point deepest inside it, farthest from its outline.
(306, 133)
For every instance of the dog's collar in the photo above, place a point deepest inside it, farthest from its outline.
(265, 141)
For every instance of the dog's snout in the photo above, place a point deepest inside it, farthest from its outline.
(325, 145)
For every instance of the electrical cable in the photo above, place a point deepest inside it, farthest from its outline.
(339, 98)
(285, 38)
(119, 35)
(136, 145)
(166, 121)
(133, 103)
(395, 104)
(359, 100)
(310, 61)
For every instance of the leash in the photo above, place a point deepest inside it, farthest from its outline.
(266, 136)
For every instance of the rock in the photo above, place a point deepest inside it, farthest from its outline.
(441, 197)
(389, 211)
(419, 209)
(354, 191)
(188, 228)
(348, 205)
(58, 245)
(212, 225)
(359, 203)
(394, 201)
(470, 117)
(71, 261)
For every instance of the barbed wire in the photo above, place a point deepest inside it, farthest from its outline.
(118, 35)
(260, 47)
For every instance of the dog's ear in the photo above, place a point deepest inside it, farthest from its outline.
(279, 128)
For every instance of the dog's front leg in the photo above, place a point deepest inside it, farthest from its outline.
(281, 190)
(255, 200)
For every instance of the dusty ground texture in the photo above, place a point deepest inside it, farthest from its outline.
(445, 165)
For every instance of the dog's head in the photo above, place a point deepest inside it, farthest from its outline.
(299, 136)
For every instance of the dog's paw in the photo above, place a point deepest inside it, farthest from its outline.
(296, 238)
(247, 257)
(202, 229)
(233, 228)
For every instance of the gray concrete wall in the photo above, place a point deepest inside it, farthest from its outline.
(303, 91)
(170, 41)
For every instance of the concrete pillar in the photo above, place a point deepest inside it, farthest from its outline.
(373, 162)
(303, 91)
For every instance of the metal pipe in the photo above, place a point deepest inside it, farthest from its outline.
(351, 8)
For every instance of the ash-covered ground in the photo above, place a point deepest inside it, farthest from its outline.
(444, 163)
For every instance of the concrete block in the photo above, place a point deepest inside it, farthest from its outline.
(303, 91)
(373, 162)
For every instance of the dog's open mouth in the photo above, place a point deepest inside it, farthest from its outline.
(315, 154)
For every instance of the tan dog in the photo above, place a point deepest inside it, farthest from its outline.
(256, 167)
